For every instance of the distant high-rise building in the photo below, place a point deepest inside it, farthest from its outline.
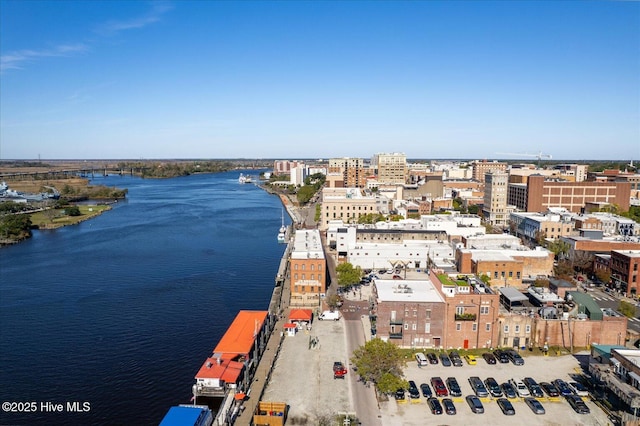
(482, 167)
(495, 209)
(352, 169)
(392, 168)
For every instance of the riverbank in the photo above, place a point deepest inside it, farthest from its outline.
(57, 218)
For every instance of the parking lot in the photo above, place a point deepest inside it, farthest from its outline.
(540, 368)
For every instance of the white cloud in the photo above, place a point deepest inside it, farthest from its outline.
(16, 59)
(153, 16)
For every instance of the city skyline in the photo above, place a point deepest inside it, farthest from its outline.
(447, 80)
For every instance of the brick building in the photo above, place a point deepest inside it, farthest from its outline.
(308, 269)
(624, 271)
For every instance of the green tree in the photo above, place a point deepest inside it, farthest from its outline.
(627, 309)
(559, 248)
(348, 275)
(380, 362)
(73, 211)
(603, 275)
(305, 194)
(334, 301)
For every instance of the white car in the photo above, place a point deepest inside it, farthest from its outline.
(520, 387)
(578, 389)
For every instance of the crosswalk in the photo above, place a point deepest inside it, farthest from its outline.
(603, 298)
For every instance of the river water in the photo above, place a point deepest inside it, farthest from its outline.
(119, 312)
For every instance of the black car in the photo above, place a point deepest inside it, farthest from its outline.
(501, 356)
(577, 404)
(433, 359)
(414, 393)
(549, 389)
(444, 359)
(399, 394)
(509, 391)
(534, 387)
(456, 360)
(454, 387)
(475, 404)
(515, 357)
(489, 358)
(493, 387)
(506, 407)
(563, 387)
(426, 390)
(434, 405)
(449, 407)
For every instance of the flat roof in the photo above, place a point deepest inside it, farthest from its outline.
(407, 290)
(227, 370)
(240, 336)
(307, 245)
(513, 294)
(183, 415)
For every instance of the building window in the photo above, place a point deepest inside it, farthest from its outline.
(474, 327)
(414, 326)
(516, 329)
(427, 327)
(495, 275)
(459, 310)
(484, 310)
(488, 327)
(427, 314)
(406, 326)
(458, 326)
(527, 329)
(312, 266)
(506, 329)
(415, 312)
(295, 267)
(518, 275)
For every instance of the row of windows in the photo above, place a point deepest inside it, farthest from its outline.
(312, 267)
(484, 310)
(306, 289)
(502, 274)
(516, 328)
(304, 277)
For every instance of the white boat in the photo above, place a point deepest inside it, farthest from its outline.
(244, 178)
(282, 233)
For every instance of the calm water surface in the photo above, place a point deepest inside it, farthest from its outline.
(121, 311)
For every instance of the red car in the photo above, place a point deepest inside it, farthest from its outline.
(339, 371)
(439, 387)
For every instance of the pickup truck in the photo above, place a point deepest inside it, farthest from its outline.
(339, 370)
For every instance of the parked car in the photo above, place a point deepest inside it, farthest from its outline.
(509, 391)
(444, 359)
(506, 407)
(563, 387)
(421, 359)
(397, 277)
(489, 358)
(439, 387)
(449, 406)
(578, 388)
(501, 356)
(478, 387)
(520, 387)
(455, 359)
(577, 404)
(434, 405)
(454, 387)
(493, 387)
(515, 357)
(433, 358)
(399, 395)
(475, 404)
(550, 389)
(471, 359)
(426, 390)
(534, 405)
(534, 387)
(414, 393)
(339, 370)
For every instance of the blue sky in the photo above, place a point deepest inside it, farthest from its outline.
(319, 79)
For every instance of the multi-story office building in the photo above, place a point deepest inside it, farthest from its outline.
(624, 271)
(539, 194)
(352, 169)
(392, 168)
(308, 269)
(345, 204)
(495, 209)
(480, 168)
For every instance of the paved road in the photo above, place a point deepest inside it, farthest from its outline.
(363, 398)
(612, 301)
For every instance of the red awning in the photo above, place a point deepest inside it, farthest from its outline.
(240, 396)
(300, 315)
